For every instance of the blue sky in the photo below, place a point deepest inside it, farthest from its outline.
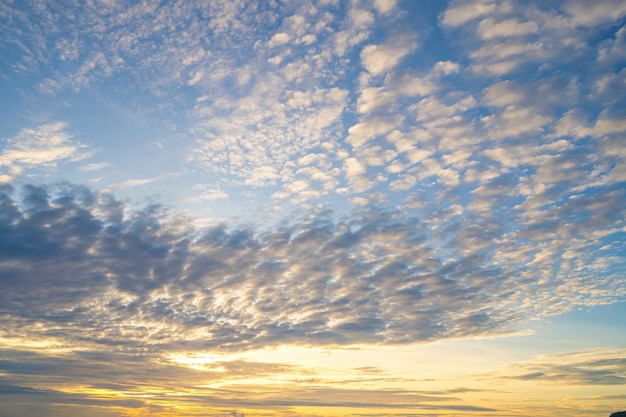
(237, 191)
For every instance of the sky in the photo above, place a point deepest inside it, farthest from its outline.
(312, 208)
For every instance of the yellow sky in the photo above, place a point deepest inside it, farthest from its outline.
(457, 377)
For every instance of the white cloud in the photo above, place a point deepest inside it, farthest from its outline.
(573, 123)
(296, 25)
(360, 18)
(496, 68)
(308, 39)
(489, 28)
(446, 68)
(197, 56)
(609, 125)
(355, 30)
(507, 50)
(209, 192)
(372, 98)
(44, 146)
(433, 109)
(514, 121)
(503, 94)
(378, 59)
(278, 39)
(586, 13)
(405, 183)
(96, 166)
(196, 78)
(409, 84)
(463, 13)
(297, 186)
(385, 6)
(613, 50)
(134, 182)
(609, 86)
(261, 176)
(361, 133)
(356, 175)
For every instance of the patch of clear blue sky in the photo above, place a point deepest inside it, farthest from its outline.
(600, 326)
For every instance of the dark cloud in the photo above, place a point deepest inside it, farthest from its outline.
(80, 266)
(114, 294)
(58, 397)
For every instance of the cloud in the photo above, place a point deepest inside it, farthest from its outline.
(485, 179)
(136, 182)
(591, 367)
(503, 94)
(584, 14)
(613, 49)
(385, 6)
(44, 146)
(278, 39)
(58, 397)
(208, 192)
(378, 59)
(515, 121)
(96, 166)
(365, 281)
(489, 29)
(464, 12)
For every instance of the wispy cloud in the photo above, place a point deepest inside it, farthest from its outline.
(43, 147)
(96, 166)
(592, 367)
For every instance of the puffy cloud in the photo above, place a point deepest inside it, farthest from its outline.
(385, 6)
(586, 14)
(278, 39)
(613, 49)
(503, 94)
(464, 12)
(379, 59)
(609, 125)
(489, 29)
(361, 133)
(515, 121)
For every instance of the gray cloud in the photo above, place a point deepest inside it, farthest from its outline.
(30, 379)
(593, 367)
(58, 397)
(81, 266)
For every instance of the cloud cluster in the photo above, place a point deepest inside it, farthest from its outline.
(81, 266)
(315, 102)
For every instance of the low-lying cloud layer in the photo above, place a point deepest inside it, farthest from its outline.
(81, 266)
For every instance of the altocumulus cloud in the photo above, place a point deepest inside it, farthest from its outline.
(81, 266)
